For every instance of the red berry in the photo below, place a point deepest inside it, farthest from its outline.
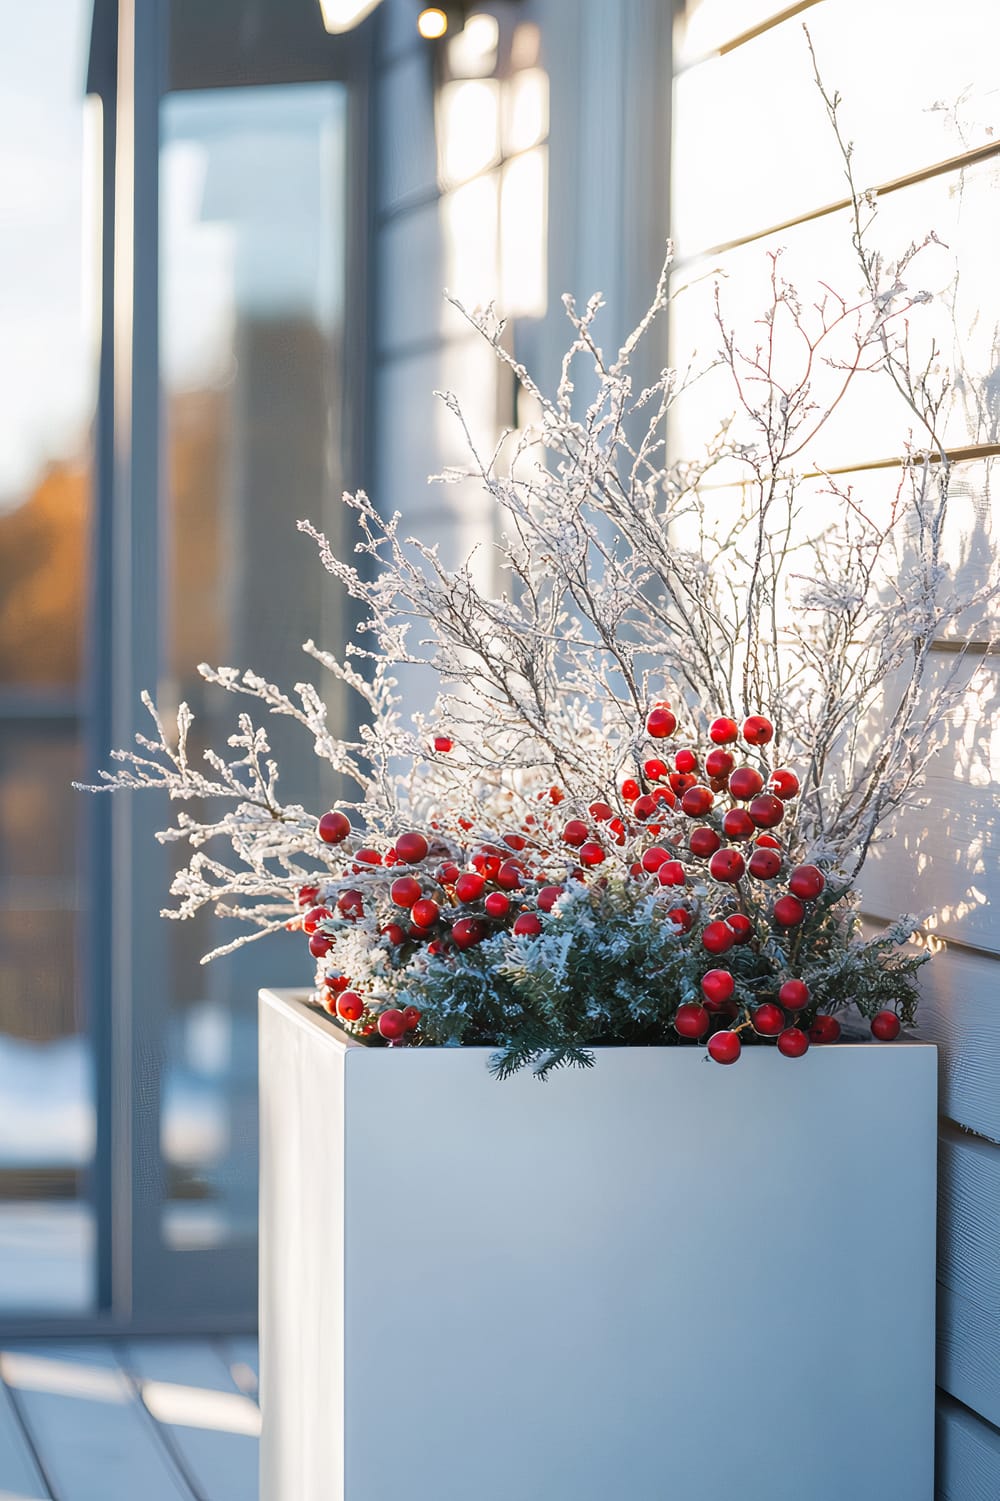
(769, 1019)
(697, 801)
(350, 1006)
(686, 760)
(467, 932)
(600, 812)
(556, 796)
(757, 730)
(591, 854)
(741, 926)
(351, 904)
(470, 886)
(680, 781)
(718, 938)
(660, 722)
(723, 731)
(783, 783)
(655, 769)
(691, 1020)
(738, 824)
(793, 1042)
(411, 848)
(548, 896)
(794, 994)
(528, 925)
(885, 1026)
(724, 1047)
(443, 743)
(806, 882)
(719, 763)
(704, 841)
(630, 789)
(766, 810)
(788, 911)
(392, 1025)
(764, 864)
(726, 865)
(717, 986)
(411, 1017)
(448, 873)
(515, 841)
(497, 904)
(681, 918)
(336, 983)
(824, 1029)
(306, 896)
(333, 828)
(425, 913)
(509, 876)
(368, 857)
(653, 858)
(745, 782)
(644, 807)
(575, 832)
(767, 842)
(320, 944)
(670, 873)
(406, 891)
(394, 933)
(312, 919)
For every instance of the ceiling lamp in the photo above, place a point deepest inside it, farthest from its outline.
(344, 15)
(432, 22)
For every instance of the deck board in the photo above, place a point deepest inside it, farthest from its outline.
(86, 1422)
(208, 1421)
(19, 1475)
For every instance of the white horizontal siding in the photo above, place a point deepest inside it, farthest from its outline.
(753, 149)
(752, 125)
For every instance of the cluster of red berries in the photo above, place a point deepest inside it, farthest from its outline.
(688, 819)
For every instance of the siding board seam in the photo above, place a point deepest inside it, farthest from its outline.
(957, 1402)
(749, 35)
(971, 453)
(881, 190)
(950, 943)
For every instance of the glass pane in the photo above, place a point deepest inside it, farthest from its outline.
(252, 242)
(49, 149)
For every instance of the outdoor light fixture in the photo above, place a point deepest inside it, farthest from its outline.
(432, 23)
(344, 15)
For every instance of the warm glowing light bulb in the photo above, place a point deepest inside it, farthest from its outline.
(432, 23)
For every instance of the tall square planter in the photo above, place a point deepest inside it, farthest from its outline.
(657, 1279)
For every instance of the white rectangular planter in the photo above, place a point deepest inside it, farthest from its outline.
(657, 1279)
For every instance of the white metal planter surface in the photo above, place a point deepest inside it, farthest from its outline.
(659, 1280)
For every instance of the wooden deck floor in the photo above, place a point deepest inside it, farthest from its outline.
(136, 1420)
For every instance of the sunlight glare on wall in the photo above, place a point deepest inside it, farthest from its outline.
(523, 252)
(473, 52)
(470, 223)
(526, 110)
(469, 128)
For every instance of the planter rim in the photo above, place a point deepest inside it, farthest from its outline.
(296, 1005)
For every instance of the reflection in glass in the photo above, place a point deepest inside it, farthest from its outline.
(49, 138)
(252, 237)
